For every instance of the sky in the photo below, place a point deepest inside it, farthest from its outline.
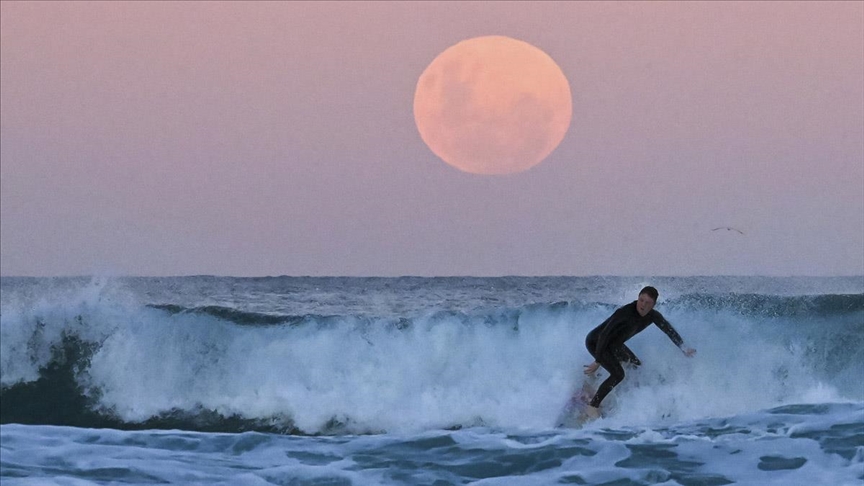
(278, 138)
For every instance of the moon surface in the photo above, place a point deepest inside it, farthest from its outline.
(492, 105)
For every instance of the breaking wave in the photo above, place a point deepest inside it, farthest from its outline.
(89, 360)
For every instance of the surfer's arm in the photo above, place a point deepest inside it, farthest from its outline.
(670, 331)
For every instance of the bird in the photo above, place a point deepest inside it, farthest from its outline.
(728, 228)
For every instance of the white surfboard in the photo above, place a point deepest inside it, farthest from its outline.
(573, 415)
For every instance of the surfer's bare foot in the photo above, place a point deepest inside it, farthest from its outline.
(592, 412)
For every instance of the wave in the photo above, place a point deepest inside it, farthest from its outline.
(91, 361)
(755, 305)
(238, 316)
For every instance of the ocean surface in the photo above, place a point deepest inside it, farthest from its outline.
(427, 381)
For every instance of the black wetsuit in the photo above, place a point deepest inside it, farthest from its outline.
(606, 343)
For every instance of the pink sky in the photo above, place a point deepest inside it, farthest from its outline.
(278, 138)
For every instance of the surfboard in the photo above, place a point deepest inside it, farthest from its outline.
(573, 416)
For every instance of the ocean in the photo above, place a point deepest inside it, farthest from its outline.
(425, 381)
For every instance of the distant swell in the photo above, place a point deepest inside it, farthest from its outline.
(238, 316)
(772, 305)
(753, 305)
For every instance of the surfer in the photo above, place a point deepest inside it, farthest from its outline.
(606, 342)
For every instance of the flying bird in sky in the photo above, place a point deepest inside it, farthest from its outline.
(728, 228)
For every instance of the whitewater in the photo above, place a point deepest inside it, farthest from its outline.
(332, 381)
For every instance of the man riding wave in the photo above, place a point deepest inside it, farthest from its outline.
(606, 342)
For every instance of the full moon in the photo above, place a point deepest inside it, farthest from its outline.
(492, 105)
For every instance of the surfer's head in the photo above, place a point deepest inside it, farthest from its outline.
(647, 299)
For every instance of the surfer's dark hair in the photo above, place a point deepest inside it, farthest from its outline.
(651, 292)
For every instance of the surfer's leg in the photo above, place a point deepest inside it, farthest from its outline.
(625, 355)
(616, 374)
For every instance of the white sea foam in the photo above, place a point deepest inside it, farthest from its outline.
(440, 372)
(507, 368)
